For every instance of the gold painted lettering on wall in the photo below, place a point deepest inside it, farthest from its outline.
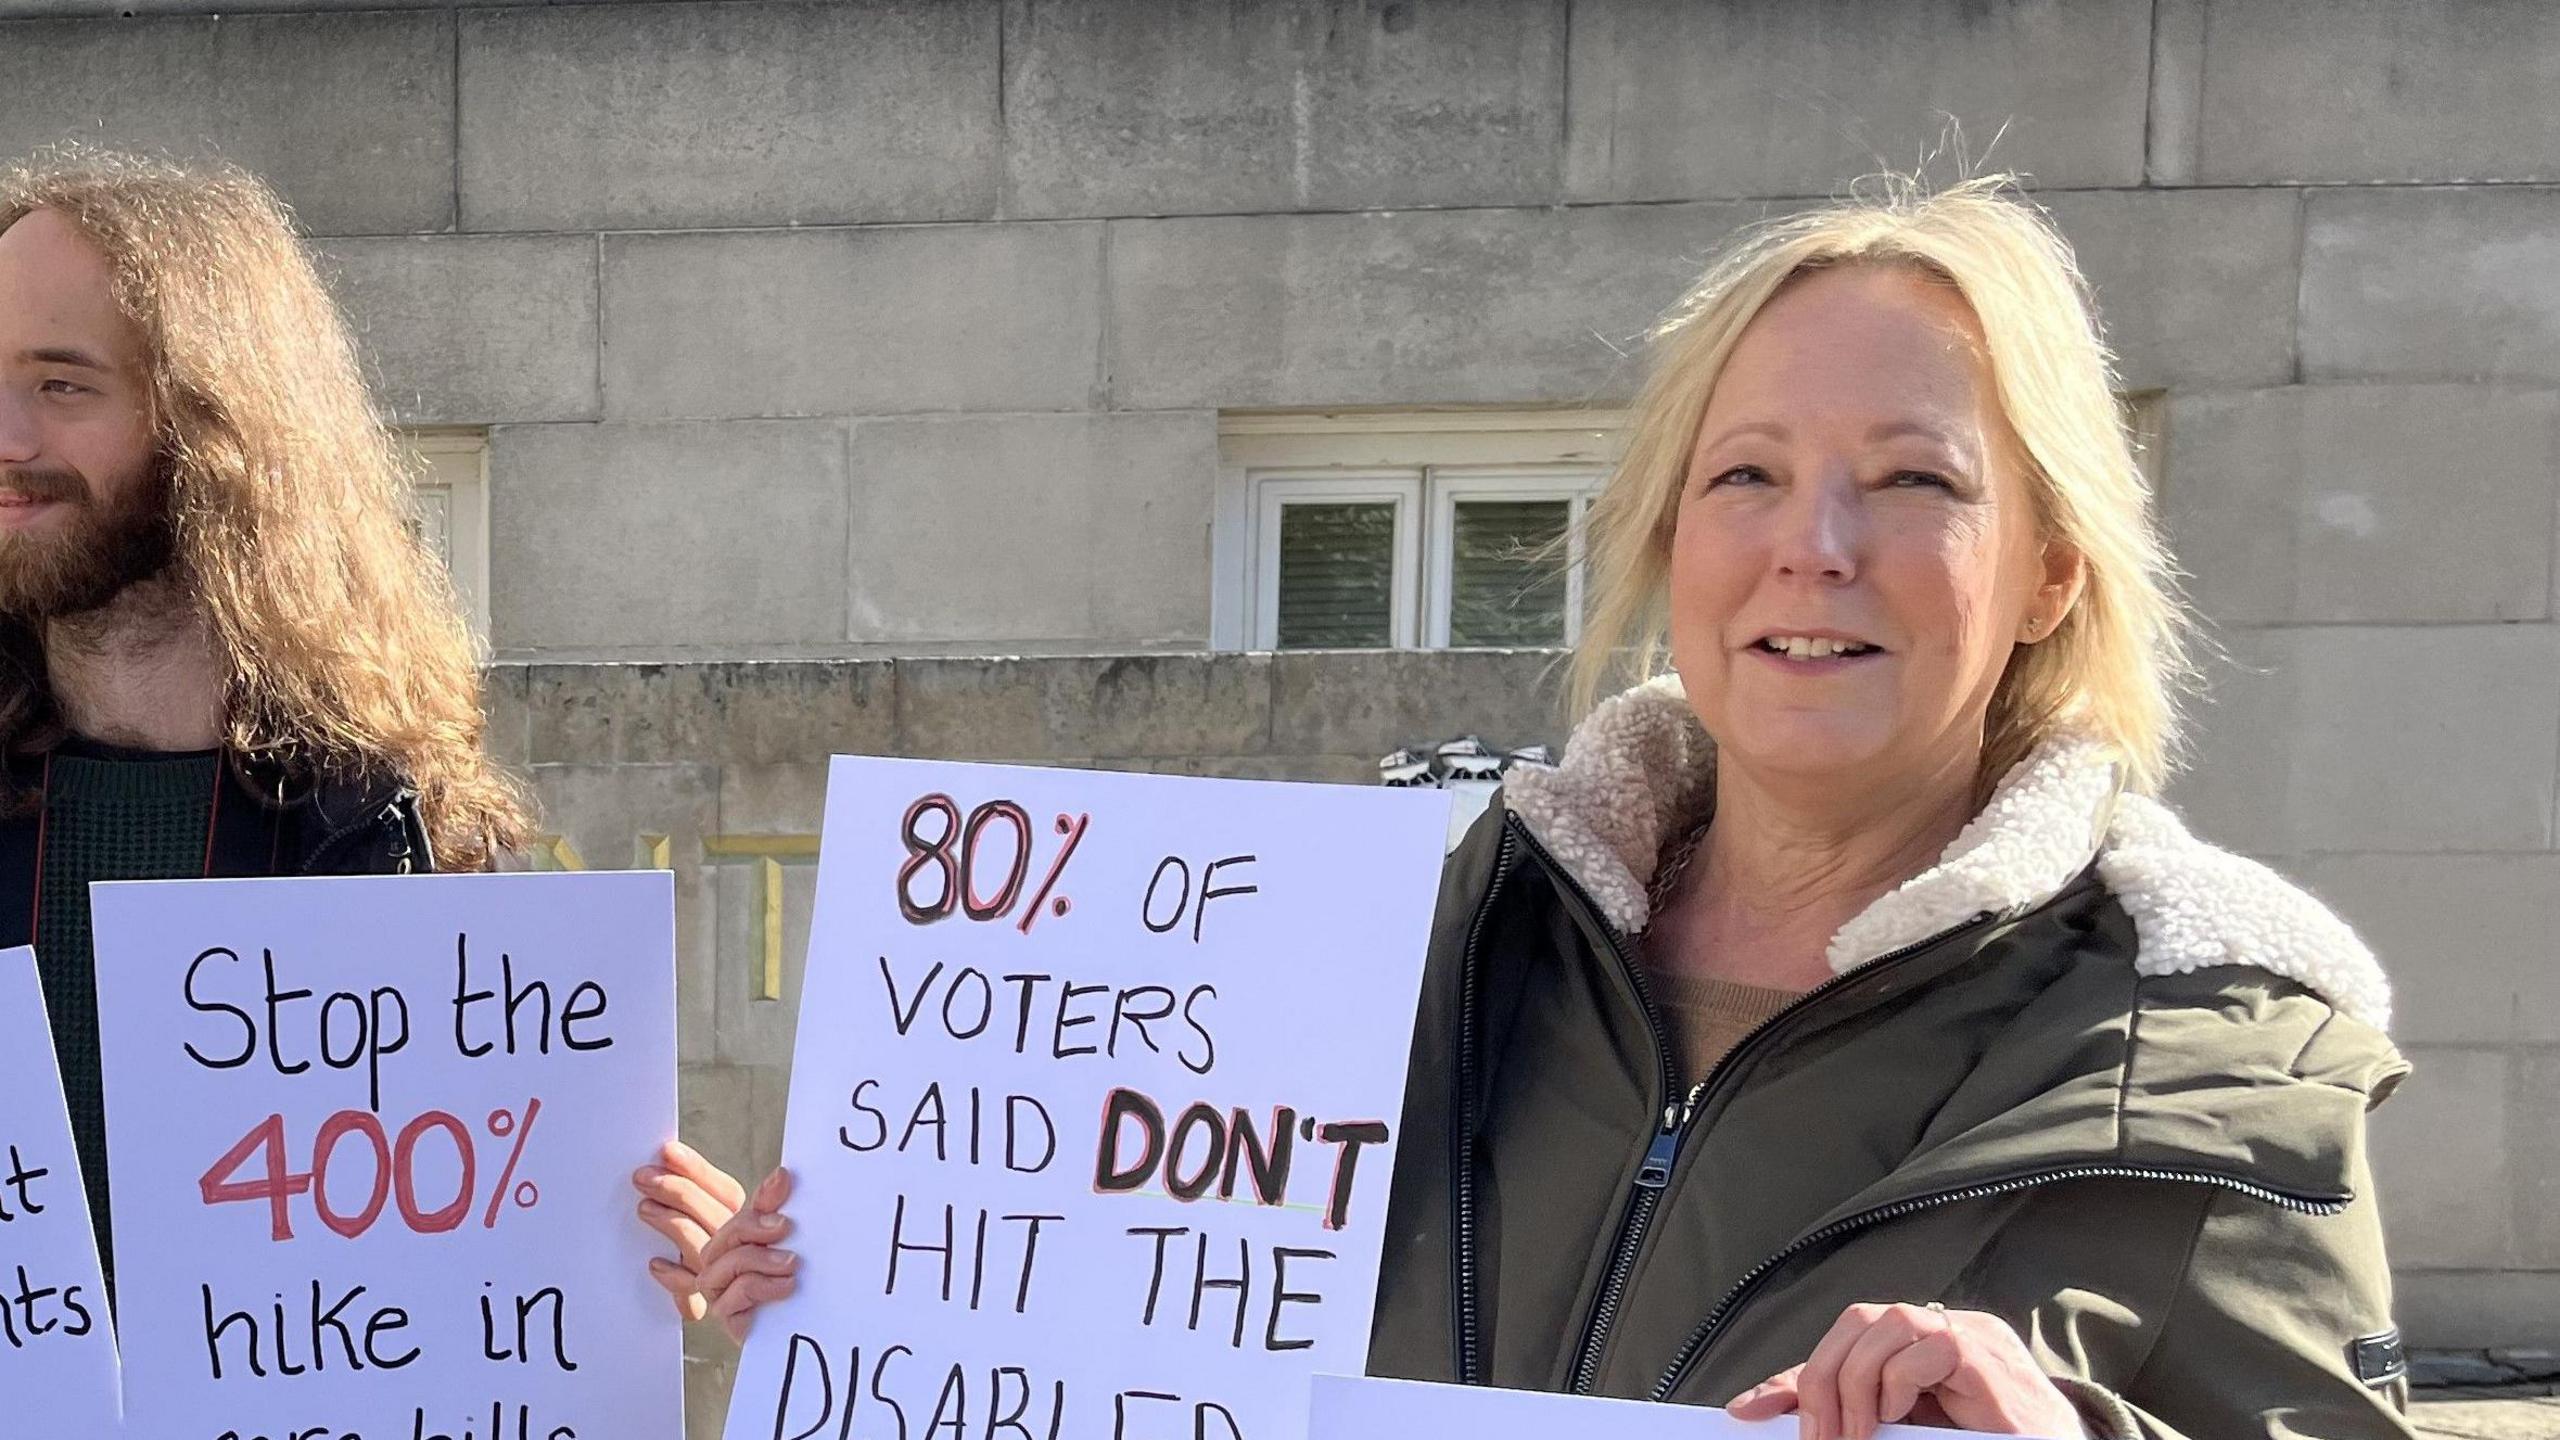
(769, 854)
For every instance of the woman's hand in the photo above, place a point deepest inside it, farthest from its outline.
(740, 1268)
(1921, 1364)
(687, 1199)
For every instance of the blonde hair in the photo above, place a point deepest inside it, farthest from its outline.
(346, 654)
(2120, 663)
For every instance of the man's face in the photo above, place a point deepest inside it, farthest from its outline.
(83, 512)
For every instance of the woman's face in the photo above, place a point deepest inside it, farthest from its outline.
(1855, 551)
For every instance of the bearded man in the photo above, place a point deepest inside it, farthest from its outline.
(223, 650)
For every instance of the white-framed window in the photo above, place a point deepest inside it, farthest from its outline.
(1444, 529)
(451, 503)
(1506, 556)
(1337, 560)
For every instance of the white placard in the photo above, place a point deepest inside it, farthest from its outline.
(57, 1340)
(1038, 1000)
(1362, 1409)
(370, 1142)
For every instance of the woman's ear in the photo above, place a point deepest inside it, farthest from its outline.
(2066, 576)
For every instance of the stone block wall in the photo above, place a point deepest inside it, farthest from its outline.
(846, 334)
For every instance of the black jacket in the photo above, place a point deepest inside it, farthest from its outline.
(265, 827)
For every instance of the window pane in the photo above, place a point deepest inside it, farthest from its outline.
(1337, 576)
(1507, 573)
(431, 515)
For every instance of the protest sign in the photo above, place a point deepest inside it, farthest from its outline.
(57, 1343)
(1359, 1409)
(370, 1142)
(1095, 1096)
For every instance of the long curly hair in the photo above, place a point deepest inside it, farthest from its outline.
(346, 653)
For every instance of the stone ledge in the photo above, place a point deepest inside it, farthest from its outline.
(1253, 714)
(733, 713)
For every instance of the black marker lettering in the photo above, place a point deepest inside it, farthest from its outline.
(1208, 1060)
(1282, 1295)
(248, 1026)
(577, 1009)
(879, 1122)
(904, 1016)
(1209, 891)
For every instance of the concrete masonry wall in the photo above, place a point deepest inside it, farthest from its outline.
(829, 330)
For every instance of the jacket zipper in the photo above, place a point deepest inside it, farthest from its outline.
(388, 815)
(1462, 1173)
(1660, 1152)
(1708, 1329)
(1640, 1212)
(1653, 1177)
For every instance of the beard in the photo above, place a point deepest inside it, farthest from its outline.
(94, 556)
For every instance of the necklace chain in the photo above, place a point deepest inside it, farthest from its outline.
(1674, 864)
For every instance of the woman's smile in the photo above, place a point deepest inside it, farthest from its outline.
(1814, 652)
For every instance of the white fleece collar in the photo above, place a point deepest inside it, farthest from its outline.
(1639, 772)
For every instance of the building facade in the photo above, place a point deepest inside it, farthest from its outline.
(1179, 384)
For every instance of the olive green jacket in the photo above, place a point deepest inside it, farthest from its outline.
(2088, 1074)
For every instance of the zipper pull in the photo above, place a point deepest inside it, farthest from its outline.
(1655, 1172)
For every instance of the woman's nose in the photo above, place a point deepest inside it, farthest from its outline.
(1820, 535)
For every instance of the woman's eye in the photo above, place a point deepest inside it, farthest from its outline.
(1910, 479)
(63, 387)
(1739, 475)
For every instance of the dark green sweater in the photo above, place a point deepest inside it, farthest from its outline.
(107, 816)
(110, 813)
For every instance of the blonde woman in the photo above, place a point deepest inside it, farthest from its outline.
(1841, 1030)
